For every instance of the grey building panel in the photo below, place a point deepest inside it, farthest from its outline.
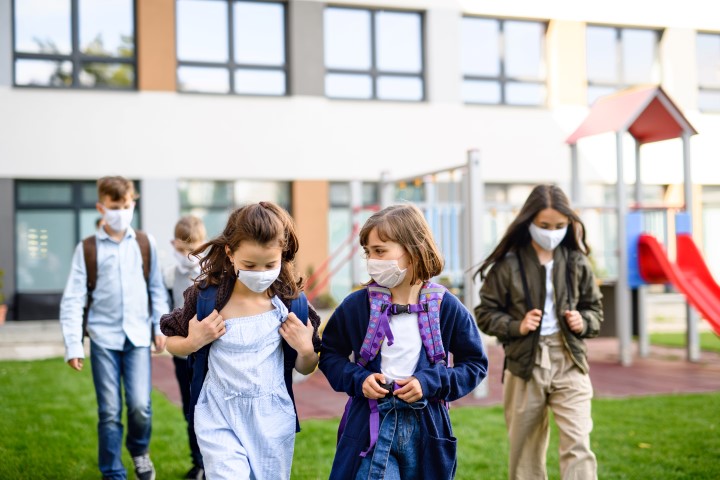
(7, 236)
(306, 52)
(160, 211)
(6, 48)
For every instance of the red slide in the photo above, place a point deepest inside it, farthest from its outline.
(690, 275)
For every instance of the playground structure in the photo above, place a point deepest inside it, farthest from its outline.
(466, 225)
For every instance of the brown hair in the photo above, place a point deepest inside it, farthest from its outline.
(190, 229)
(518, 234)
(406, 225)
(263, 223)
(117, 188)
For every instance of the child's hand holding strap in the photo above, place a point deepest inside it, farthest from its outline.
(410, 391)
(299, 336)
(199, 334)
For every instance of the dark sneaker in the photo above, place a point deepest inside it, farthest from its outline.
(195, 473)
(144, 468)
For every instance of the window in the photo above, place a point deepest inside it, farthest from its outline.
(503, 61)
(618, 58)
(229, 46)
(213, 201)
(374, 54)
(708, 61)
(75, 43)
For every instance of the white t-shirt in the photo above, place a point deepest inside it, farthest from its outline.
(549, 321)
(398, 362)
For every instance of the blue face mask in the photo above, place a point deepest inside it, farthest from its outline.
(258, 281)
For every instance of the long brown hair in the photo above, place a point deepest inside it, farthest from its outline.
(406, 225)
(518, 234)
(264, 223)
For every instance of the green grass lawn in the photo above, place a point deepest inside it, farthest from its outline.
(48, 431)
(708, 340)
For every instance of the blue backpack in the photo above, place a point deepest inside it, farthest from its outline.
(198, 361)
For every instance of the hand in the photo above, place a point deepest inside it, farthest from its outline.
(207, 331)
(574, 321)
(371, 388)
(297, 335)
(76, 364)
(411, 390)
(160, 343)
(531, 321)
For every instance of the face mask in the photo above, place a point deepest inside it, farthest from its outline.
(119, 220)
(386, 273)
(547, 239)
(185, 262)
(258, 282)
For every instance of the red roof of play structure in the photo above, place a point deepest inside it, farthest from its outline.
(647, 113)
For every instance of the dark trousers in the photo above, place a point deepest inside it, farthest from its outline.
(182, 373)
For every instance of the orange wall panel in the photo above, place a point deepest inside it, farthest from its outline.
(156, 45)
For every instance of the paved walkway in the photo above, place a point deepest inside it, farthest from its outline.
(664, 371)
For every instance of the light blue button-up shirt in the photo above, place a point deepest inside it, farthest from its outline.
(120, 300)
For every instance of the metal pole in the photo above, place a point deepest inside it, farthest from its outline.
(643, 336)
(474, 210)
(387, 190)
(574, 176)
(622, 293)
(356, 271)
(693, 333)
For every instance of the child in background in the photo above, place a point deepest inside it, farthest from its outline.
(400, 330)
(189, 235)
(245, 419)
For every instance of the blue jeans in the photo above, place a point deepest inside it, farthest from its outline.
(132, 365)
(399, 445)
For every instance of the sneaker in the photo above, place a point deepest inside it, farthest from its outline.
(144, 468)
(195, 473)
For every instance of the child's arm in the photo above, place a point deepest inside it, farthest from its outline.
(461, 338)
(300, 338)
(199, 335)
(71, 310)
(491, 314)
(590, 301)
(158, 294)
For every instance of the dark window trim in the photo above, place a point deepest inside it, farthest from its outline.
(701, 87)
(373, 72)
(231, 66)
(504, 79)
(621, 83)
(76, 57)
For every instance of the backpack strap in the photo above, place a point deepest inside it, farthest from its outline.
(431, 296)
(299, 306)
(379, 324)
(90, 256)
(144, 244)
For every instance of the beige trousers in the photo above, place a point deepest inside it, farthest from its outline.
(557, 383)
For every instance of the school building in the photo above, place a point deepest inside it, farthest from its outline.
(331, 109)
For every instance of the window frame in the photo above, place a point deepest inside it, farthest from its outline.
(702, 88)
(502, 79)
(621, 84)
(76, 57)
(374, 72)
(231, 66)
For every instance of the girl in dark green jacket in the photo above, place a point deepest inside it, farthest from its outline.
(540, 299)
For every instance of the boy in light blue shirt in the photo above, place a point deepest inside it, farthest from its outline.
(121, 320)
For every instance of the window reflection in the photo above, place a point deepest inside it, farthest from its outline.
(209, 33)
(43, 52)
(708, 61)
(503, 61)
(363, 46)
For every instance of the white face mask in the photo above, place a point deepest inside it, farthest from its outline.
(386, 273)
(185, 262)
(257, 281)
(547, 239)
(119, 220)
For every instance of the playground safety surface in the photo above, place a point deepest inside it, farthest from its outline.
(664, 371)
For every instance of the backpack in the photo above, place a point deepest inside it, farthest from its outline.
(428, 310)
(90, 255)
(198, 361)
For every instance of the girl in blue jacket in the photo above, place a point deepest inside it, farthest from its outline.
(400, 330)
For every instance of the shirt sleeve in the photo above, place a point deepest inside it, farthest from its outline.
(72, 305)
(156, 288)
(176, 322)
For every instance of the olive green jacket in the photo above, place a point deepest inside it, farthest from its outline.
(503, 305)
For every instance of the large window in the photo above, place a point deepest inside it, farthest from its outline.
(75, 43)
(229, 46)
(503, 61)
(620, 57)
(708, 61)
(374, 54)
(213, 201)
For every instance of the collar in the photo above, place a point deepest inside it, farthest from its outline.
(103, 235)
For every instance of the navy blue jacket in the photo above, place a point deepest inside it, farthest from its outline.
(344, 334)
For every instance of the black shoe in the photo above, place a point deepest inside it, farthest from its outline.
(144, 468)
(195, 473)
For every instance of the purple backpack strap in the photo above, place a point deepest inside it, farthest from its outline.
(429, 321)
(379, 324)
